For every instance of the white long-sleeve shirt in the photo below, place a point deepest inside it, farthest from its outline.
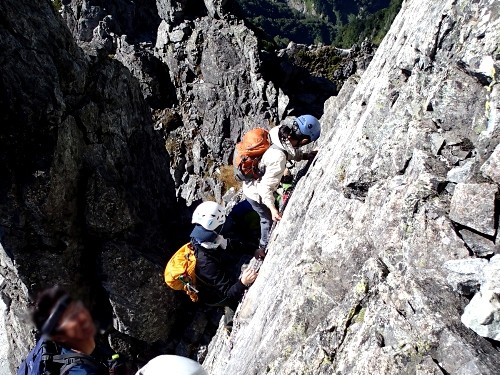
(273, 163)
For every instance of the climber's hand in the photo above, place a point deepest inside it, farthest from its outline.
(275, 214)
(248, 276)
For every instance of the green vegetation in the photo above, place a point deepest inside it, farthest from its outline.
(360, 318)
(372, 26)
(341, 173)
(338, 22)
(323, 62)
(57, 4)
(283, 24)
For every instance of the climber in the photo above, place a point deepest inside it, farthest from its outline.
(214, 279)
(286, 140)
(171, 364)
(68, 332)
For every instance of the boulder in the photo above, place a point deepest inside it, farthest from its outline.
(473, 205)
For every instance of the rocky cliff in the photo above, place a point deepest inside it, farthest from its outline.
(384, 262)
(200, 71)
(85, 191)
(118, 115)
(206, 77)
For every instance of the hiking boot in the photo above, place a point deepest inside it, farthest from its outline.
(228, 330)
(228, 319)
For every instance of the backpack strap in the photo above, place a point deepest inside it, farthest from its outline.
(262, 169)
(71, 360)
(275, 146)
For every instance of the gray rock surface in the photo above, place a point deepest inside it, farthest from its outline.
(466, 275)
(480, 245)
(461, 173)
(85, 182)
(214, 67)
(353, 282)
(378, 190)
(83, 190)
(473, 205)
(126, 31)
(205, 66)
(209, 69)
(482, 314)
(4, 345)
(491, 168)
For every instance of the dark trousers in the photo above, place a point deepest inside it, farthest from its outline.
(266, 221)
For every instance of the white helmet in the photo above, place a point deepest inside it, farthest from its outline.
(171, 364)
(209, 215)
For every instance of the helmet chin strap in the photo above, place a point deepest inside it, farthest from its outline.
(304, 141)
(293, 132)
(56, 313)
(297, 135)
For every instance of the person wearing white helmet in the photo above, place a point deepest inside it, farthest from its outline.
(286, 140)
(210, 216)
(216, 284)
(172, 364)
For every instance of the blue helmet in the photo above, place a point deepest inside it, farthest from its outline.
(310, 126)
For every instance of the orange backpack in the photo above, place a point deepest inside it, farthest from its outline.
(248, 153)
(179, 272)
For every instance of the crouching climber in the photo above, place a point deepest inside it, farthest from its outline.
(285, 143)
(217, 282)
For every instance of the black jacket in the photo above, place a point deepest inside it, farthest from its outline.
(216, 283)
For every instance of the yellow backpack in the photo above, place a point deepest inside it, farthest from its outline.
(179, 273)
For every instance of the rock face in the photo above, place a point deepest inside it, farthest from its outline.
(381, 247)
(198, 64)
(214, 66)
(126, 31)
(482, 314)
(194, 62)
(93, 120)
(355, 279)
(85, 191)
